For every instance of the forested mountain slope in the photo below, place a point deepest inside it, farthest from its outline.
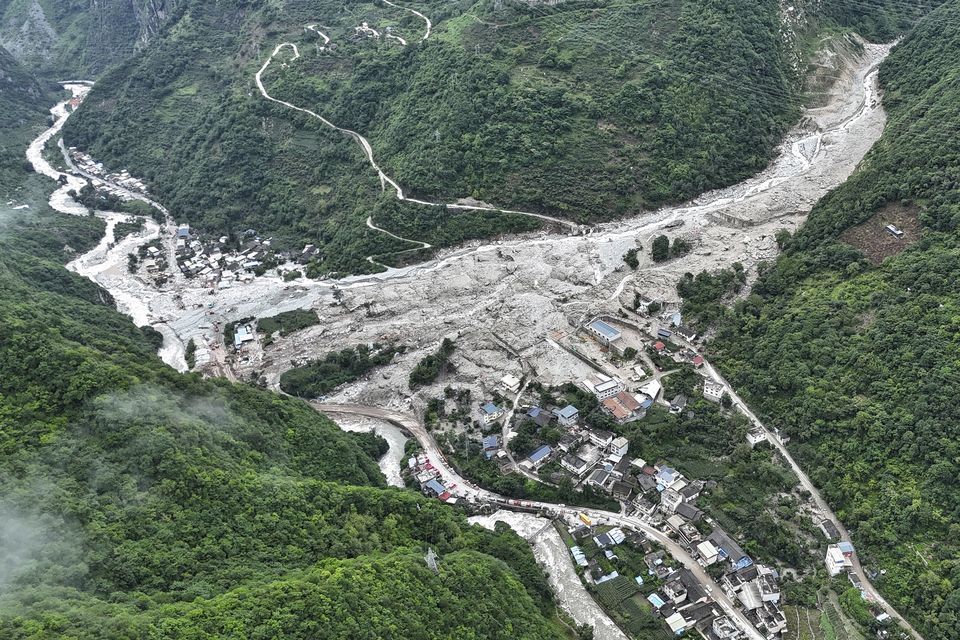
(79, 37)
(851, 341)
(136, 502)
(22, 105)
(588, 109)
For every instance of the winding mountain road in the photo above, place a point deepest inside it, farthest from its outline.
(385, 179)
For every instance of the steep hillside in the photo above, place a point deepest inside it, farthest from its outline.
(79, 37)
(23, 101)
(589, 109)
(136, 502)
(851, 342)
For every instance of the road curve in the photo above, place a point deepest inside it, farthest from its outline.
(416, 13)
(384, 178)
(415, 428)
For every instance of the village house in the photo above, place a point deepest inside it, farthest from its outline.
(540, 417)
(491, 444)
(510, 383)
(600, 437)
(621, 490)
(669, 500)
(599, 478)
(712, 391)
(538, 457)
(611, 538)
(651, 389)
(707, 552)
(602, 386)
(829, 529)
(242, 335)
(574, 464)
(623, 407)
(755, 437)
(619, 446)
(836, 560)
(688, 511)
(667, 476)
(678, 404)
(569, 442)
(568, 416)
(729, 550)
(490, 413)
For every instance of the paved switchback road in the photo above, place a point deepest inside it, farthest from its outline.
(466, 488)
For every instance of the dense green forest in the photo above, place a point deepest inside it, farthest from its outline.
(138, 502)
(317, 377)
(23, 100)
(589, 109)
(857, 355)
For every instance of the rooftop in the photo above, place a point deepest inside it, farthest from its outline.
(568, 411)
(490, 409)
(604, 329)
(540, 453)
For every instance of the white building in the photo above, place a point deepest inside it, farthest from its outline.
(651, 389)
(510, 383)
(568, 416)
(603, 332)
(490, 413)
(669, 500)
(619, 446)
(676, 623)
(755, 437)
(712, 391)
(835, 561)
(708, 552)
(574, 464)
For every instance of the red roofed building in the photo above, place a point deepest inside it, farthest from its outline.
(623, 407)
(697, 361)
(659, 346)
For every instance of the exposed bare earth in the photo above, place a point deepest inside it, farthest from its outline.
(876, 242)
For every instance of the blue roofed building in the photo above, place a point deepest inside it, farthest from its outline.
(603, 332)
(666, 476)
(491, 444)
(568, 416)
(490, 413)
(434, 487)
(539, 456)
(541, 417)
(656, 601)
(729, 550)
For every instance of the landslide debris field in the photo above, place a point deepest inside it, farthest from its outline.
(525, 289)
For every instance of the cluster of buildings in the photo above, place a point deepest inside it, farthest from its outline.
(686, 606)
(87, 164)
(216, 266)
(675, 594)
(752, 587)
(429, 480)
